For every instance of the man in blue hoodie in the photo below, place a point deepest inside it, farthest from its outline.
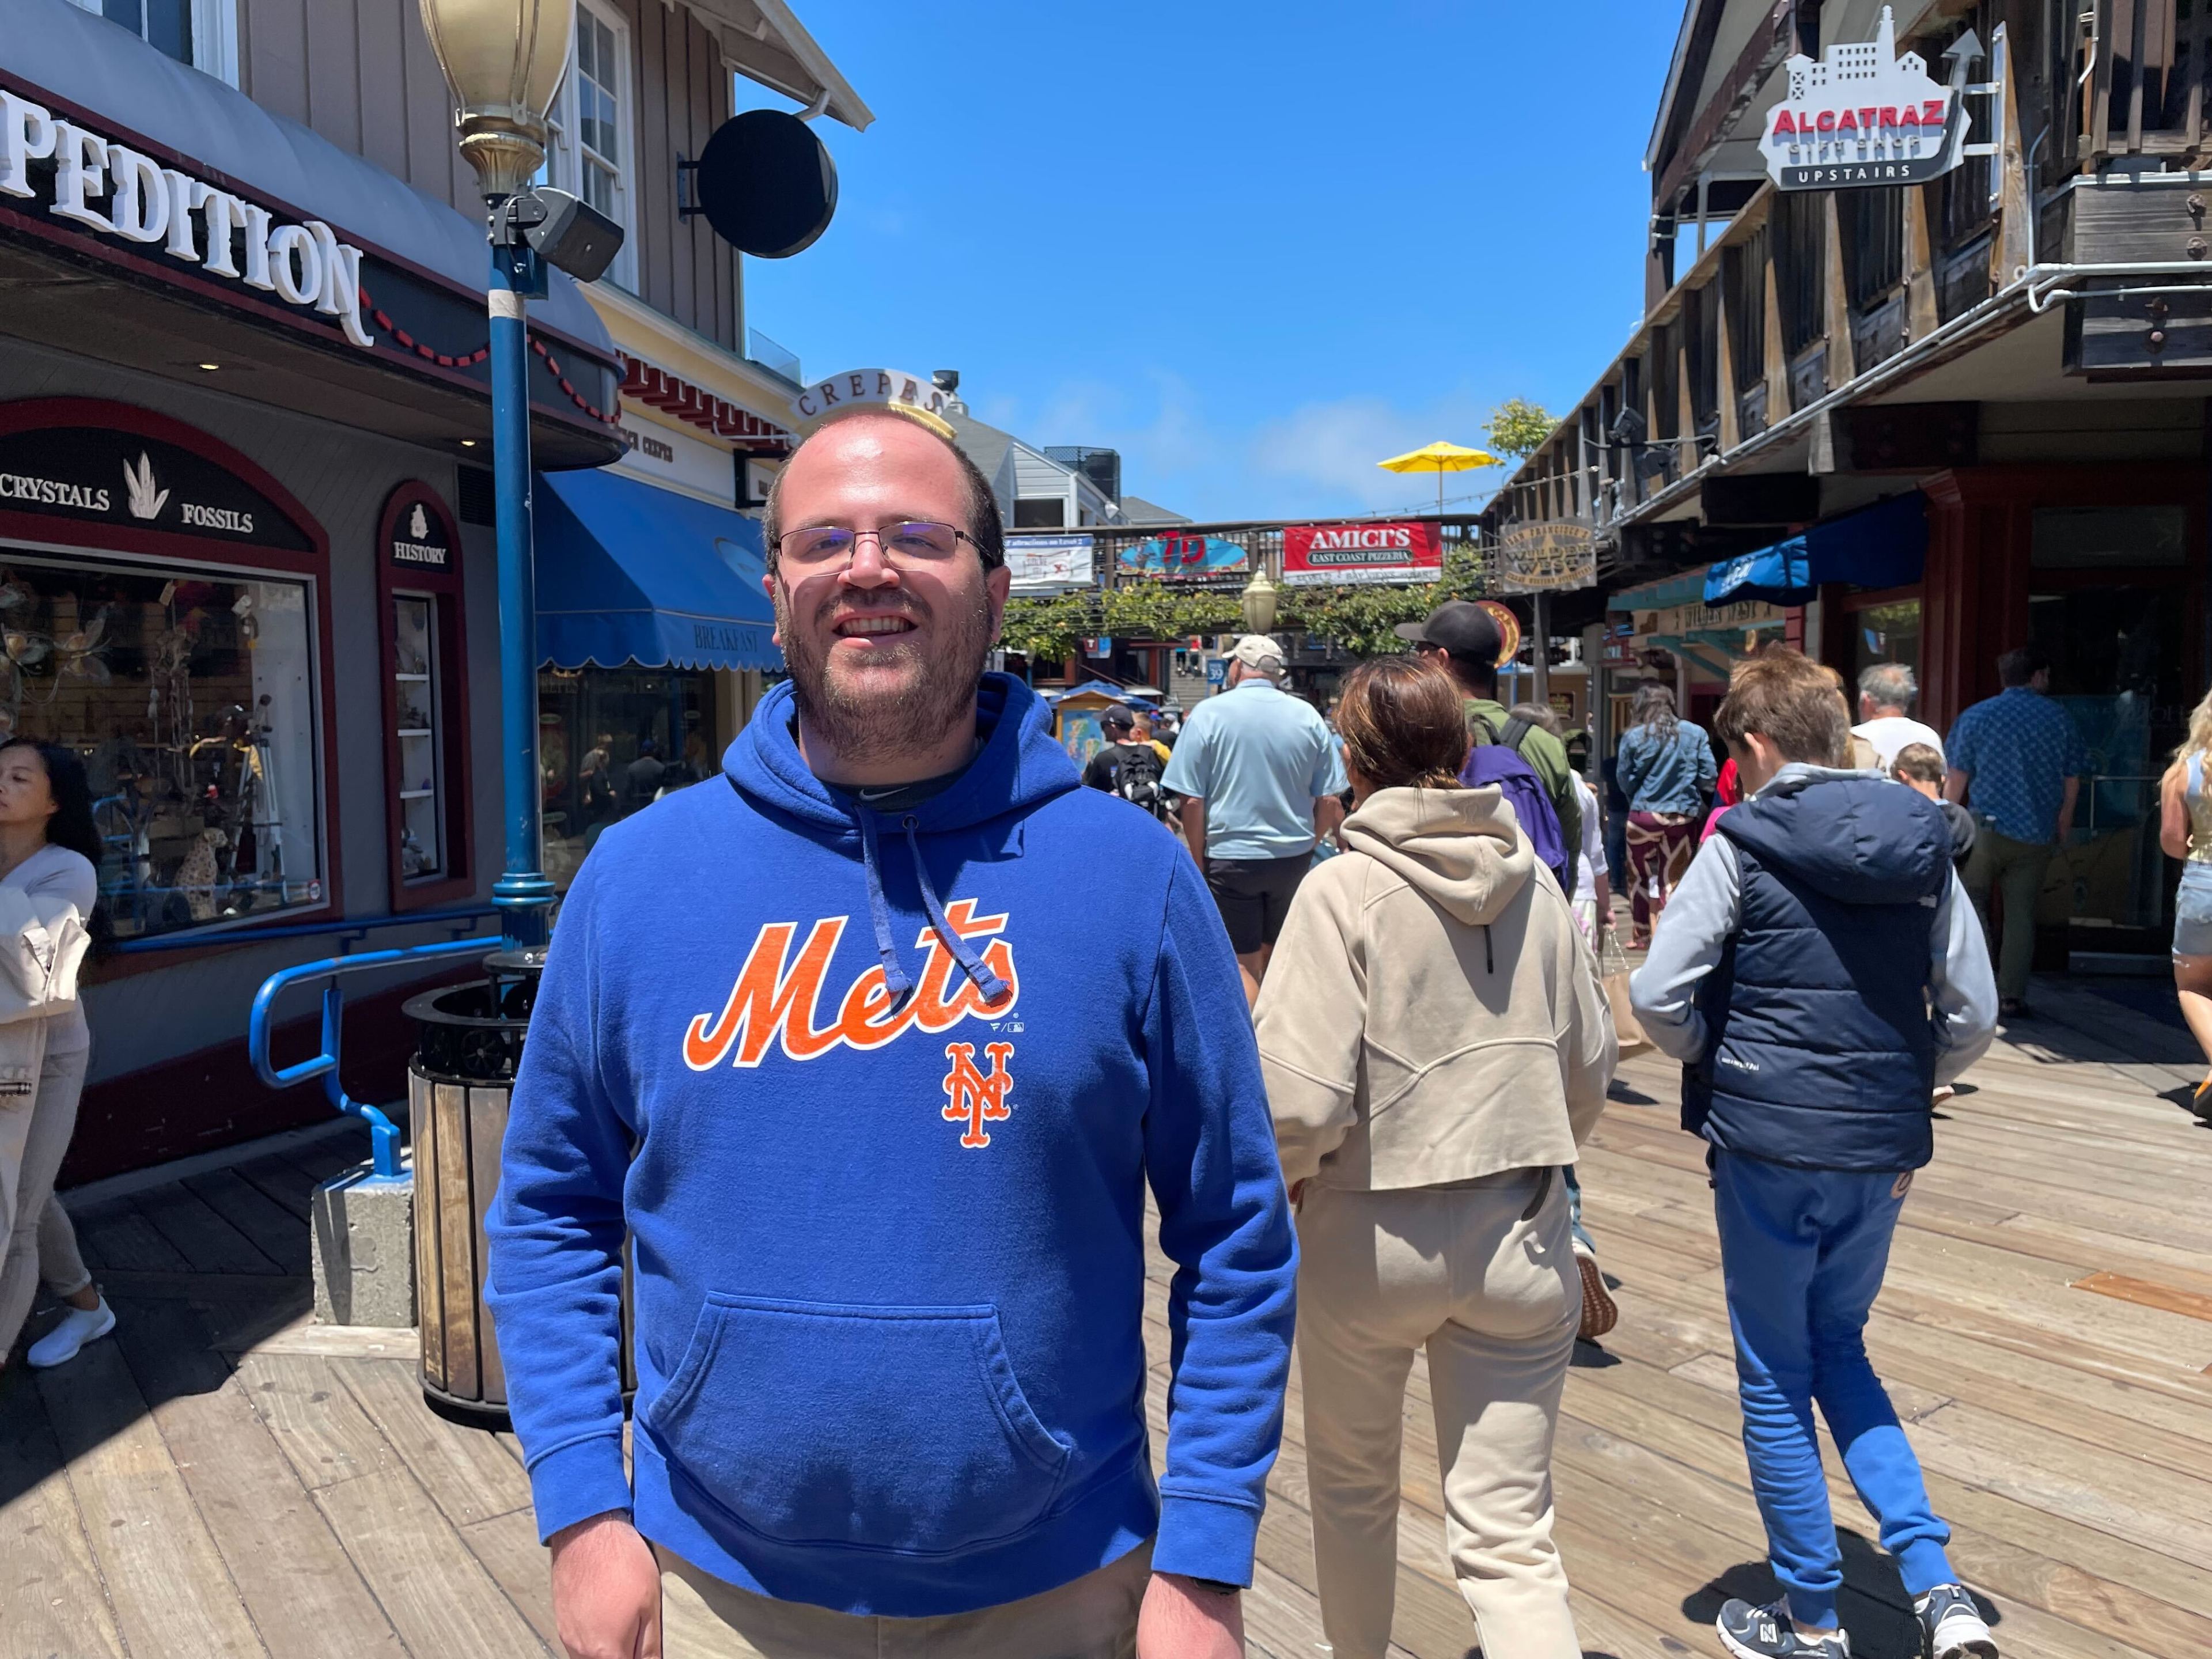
(847, 1050)
(1819, 972)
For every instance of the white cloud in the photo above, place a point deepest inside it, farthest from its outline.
(1332, 448)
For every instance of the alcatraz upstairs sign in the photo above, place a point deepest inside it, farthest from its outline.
(1864, 115)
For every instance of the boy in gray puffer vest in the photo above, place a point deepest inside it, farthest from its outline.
(1819, 972)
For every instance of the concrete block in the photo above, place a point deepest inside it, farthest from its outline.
(363, 1229)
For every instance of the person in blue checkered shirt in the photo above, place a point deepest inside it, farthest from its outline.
(2017, 759)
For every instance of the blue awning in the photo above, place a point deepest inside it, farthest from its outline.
(629, 573)
(1684, 587)
(1880, 546)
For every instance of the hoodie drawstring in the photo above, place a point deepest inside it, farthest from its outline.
(1489, 962)
(978, 971)
(895, 978)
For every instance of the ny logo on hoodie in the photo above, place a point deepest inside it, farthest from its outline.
(969, 1094)
(774, 1000)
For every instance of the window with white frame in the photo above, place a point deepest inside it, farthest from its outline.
(201, 33)
(591, 150)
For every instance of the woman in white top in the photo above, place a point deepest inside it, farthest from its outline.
(49, 854)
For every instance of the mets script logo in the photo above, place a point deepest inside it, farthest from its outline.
(778, 1002)
(971, 1095)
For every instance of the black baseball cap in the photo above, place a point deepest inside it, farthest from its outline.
(1117, 718)
(1461, 627)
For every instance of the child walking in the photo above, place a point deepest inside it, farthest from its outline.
(1819, 971)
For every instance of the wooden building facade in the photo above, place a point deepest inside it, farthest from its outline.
(2024, 340)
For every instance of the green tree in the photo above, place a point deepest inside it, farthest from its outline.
(1517, 427)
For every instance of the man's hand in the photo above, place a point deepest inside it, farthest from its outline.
(1183, 1621)
(606, 1591)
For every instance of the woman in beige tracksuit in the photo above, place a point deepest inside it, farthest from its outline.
(1436, 1045)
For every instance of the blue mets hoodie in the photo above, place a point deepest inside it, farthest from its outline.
(875, 1099)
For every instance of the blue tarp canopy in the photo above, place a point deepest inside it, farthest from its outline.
(1880, 546)
(629, 573)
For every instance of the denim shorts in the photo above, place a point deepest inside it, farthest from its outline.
(2192, 911)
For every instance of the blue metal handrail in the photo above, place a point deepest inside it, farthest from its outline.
(204, 939)
(260, 1027)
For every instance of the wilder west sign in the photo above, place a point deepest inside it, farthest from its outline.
(1864, 115)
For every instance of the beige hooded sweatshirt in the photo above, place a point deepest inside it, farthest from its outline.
(1432, 1012)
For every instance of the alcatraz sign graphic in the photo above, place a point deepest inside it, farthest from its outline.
(1864, 115)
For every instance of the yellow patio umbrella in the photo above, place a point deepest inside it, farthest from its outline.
(1439, 458)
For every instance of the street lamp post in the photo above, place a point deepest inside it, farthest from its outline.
(1258, 601)
(504, 60)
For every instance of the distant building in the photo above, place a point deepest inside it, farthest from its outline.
(1069, 488)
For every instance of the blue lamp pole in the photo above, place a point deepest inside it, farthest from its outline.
(504, 61)
(523, 894)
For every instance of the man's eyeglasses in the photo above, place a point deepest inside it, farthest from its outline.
(919, 542)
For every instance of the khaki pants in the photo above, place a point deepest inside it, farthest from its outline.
(1094, 1618)
(39, 1243)
(2016, 869)
(1494, 1297)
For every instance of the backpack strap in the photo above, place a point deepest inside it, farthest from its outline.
(1480, 728)
(1516, 729)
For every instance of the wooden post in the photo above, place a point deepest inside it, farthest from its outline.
(1836, 325)
(1921, 317)
(1777, 358)
(2008, 247)
(1726, 370)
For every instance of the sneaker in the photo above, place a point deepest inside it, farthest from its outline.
(1952, 1626)
(1598, 1313)
(2015, 1008)
(1765, 1632)
(79, 1326)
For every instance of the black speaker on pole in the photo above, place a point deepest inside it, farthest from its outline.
(766, 184)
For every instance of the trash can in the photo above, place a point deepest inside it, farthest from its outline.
(469, 1042)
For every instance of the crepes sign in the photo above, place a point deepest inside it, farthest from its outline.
(1315, 555)
(1867, 115)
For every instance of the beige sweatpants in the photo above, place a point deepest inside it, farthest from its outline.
(39, 1243)
(1494, 1298)
(1093, 1618)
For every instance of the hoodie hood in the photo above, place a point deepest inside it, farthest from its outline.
(1458, 847)
(1019, 767)
(1854, 838)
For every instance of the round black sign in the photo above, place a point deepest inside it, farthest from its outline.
(767, 184)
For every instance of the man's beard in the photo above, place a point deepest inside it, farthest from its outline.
(869, 716)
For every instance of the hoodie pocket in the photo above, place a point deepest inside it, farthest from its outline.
(881, 1428)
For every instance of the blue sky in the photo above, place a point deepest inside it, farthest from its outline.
(1255, 248)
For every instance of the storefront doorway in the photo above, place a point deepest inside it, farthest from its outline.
(2104, 569)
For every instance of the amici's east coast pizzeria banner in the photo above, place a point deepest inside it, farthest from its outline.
(1316, 554)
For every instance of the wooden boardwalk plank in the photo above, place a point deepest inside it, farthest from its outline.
(52, 1601)
(305, 1598)
(324, 1432)
(434, 1591)
(269, 1227)
(467, 1473)
(171, 1591)
(209, 1244)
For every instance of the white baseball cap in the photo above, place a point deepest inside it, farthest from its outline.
(1257, 651)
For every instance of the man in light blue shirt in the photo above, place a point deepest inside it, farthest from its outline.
(1259, 772)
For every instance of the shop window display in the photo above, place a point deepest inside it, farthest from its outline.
(191, 696)
(611, 742)
(416, 679)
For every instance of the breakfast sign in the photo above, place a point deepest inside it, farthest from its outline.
(1864, 115)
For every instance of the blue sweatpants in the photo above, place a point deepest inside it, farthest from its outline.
(1803, 1252)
